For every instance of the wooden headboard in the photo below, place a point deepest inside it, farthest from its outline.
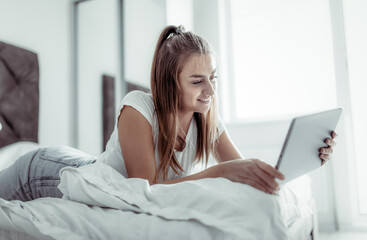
(19, 95)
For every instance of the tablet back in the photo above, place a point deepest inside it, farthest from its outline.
(306, 135)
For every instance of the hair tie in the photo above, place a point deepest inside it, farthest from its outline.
(170, 35)
(180, 29)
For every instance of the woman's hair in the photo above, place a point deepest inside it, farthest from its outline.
(175, 46)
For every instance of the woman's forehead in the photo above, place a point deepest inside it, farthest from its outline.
(199, 64)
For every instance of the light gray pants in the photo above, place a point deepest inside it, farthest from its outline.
(36, 174)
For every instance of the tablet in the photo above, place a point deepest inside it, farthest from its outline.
(306, 135)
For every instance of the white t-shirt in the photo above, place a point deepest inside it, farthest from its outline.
(143, 102)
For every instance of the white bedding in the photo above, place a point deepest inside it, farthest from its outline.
(99, 203)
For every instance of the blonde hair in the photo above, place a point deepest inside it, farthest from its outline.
(173, 49)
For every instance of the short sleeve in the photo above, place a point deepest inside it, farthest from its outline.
(142, 102)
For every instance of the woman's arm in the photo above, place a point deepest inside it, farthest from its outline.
(137, 147)
(225, 149)
(136, 141)
(234, 167)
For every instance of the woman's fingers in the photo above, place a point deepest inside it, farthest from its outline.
(334, 134)
(324, 157)
(269, 169)
(330, 142)
(257, 186)
(252, 172)
(267, 174)
(327, 150)
(324, 154)
(254, 176)
(266, 180)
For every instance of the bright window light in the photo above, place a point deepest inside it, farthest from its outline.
(356, 37)
(283, 57)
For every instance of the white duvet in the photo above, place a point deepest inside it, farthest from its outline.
(99, 203)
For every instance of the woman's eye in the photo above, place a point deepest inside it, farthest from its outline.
(214, 78)
(197, 82)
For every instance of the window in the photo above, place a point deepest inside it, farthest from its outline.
(356, 37)
(283, 64)
(282, 58)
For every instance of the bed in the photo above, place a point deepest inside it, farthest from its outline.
(99, 203)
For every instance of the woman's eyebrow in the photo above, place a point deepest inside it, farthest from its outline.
(201, 76)
(197, 76)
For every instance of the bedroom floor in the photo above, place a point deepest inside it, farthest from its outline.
(343, 236)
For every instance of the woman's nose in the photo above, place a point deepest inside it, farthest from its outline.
(210, 88)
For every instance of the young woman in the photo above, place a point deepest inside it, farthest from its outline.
(158, 136)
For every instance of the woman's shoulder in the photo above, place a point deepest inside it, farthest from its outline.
(137, 97)
(141, 101)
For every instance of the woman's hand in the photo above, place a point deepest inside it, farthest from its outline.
(326, 151)
(253, 172)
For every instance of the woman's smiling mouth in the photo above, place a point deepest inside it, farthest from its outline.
(205, 100)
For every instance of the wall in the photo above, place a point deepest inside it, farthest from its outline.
(43, 26)
(143, 21)
(180, 12)
(46, 27)
(98, 53)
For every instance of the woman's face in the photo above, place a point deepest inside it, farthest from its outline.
(198, 84)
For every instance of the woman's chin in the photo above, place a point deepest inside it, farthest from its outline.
(203, 110)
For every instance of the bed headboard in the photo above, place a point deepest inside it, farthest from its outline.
(108, 107)
(108, 103)
(19, 95)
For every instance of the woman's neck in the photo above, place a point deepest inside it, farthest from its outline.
(184, 121)
(183, 125)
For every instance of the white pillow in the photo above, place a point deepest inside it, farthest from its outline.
(9, 154)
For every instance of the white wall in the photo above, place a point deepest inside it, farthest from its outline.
(180, 12)
(143, 22)
(43, 26)
(98, 54)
